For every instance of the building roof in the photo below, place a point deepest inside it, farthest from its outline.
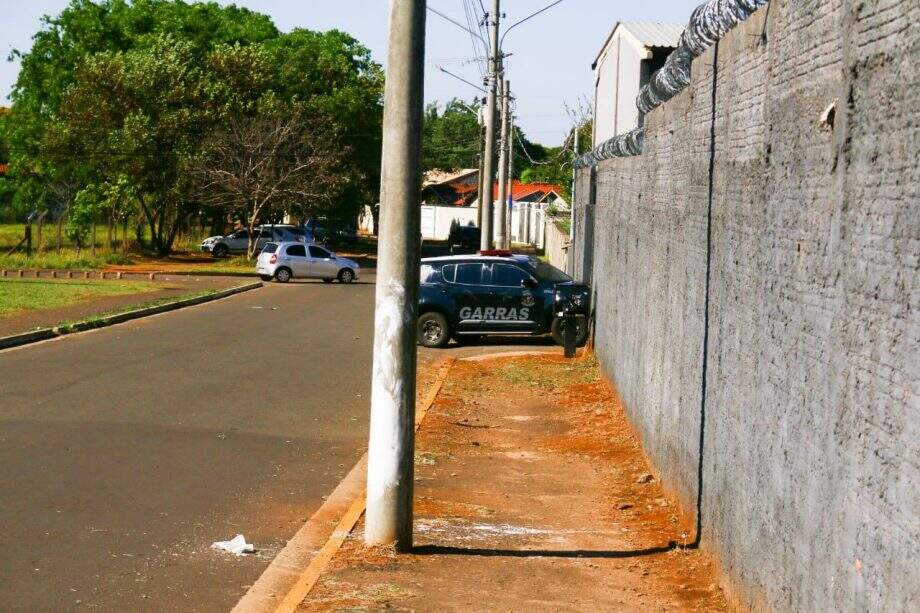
(648, 33)
(440, 177)
(3, 169)
(520, 190)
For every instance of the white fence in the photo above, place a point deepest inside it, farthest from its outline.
(527, 221)
(557, 246)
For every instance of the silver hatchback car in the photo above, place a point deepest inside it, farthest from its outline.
(289, 260)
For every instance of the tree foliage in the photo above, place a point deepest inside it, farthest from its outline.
(116, 91)
(451, 136)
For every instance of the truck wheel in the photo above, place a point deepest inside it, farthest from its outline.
(220, 251)
(581, 331)
(282, 275)
(433, 330)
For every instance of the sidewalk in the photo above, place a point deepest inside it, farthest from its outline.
(532, 493)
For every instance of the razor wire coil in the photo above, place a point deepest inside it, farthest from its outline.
(709, 22)
(621, 145)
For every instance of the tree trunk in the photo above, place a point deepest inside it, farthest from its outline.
(60, 232)
(93, 237)
(108, 235)
(41, 222)
(375, 214)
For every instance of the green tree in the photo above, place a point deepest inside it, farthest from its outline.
(115, 90)
(451, 137)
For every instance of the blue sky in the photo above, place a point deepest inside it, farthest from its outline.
(550, 66)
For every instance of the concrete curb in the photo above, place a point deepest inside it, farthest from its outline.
(17, 340)
(151, 275)
(296, 569)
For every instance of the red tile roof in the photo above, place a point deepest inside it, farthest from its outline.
(3, 169)
(522, 190)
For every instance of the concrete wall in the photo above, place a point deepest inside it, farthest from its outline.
(756, 278)
(437, 220)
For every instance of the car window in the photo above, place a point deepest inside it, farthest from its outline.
(297, 250)
(241, 234)
(448, 272)
(429, 274)
(319, 252)
(507, 276)
(469, 274)
(270, 248)
(265, 233)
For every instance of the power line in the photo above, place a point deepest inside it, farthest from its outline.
(469, 11)
(459, 78)
(529, 17)
(451, 20)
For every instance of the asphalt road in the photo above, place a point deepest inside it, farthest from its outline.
(127, 451)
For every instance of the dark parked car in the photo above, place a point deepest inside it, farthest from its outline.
(497, 293)
(464, 239)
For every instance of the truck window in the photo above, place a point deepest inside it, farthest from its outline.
(469, 274)
(429, 274)
(507, 276)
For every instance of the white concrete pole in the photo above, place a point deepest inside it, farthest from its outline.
(574, 181)
(391, 447)
(510, 165)
(488, 165)
(501, 238)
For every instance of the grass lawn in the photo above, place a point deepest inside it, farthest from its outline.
(18, 295)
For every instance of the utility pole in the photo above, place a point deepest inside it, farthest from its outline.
(391, 448)
(482, 144)
(488, 166)
(570, 254)
(501, 238)
(510, 166)
(574, 182)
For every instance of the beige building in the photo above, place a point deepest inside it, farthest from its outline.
(632, 53)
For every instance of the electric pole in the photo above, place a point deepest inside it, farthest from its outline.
(501, 241)
(391, 447)
(488, 165)
(510, 202)
(482, 144)
(574, 182)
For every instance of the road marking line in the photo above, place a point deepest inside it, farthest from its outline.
(260, 596)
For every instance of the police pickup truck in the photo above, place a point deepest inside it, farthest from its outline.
(496, 292)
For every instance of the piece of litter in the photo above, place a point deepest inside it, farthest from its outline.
(237, 545)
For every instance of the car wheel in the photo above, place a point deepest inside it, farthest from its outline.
(433, 330)
(220, 251)
(328, 280)
(282, 275)
(346, 275)
(265, 277)
(581, 331)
